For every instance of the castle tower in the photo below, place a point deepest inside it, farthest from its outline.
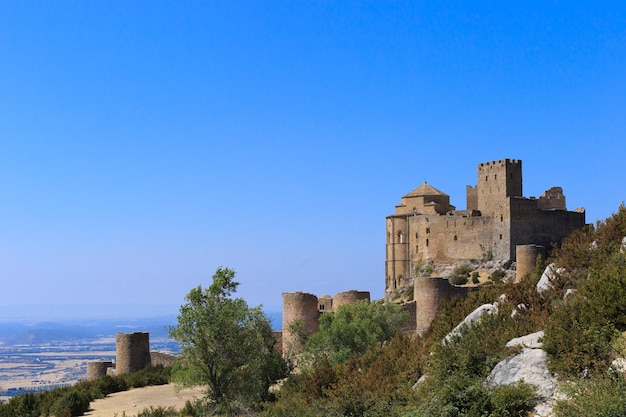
(302, 307)
(349, 297)
(429, 294)
(497, 181)
(526, 258)
(132, 352)
(98, 369)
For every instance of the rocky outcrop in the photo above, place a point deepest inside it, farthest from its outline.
(549, 274)
(528, 366)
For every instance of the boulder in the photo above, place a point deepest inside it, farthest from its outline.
(528, 366)
(532, 341)
(471, 318)
(549, 274)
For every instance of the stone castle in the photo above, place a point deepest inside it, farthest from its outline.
(498, 223)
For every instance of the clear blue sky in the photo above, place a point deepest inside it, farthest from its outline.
(145, 143)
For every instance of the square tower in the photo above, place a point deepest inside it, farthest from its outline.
(497, 181)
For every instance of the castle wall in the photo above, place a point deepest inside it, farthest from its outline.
(298, 306)
(552, 199)
(132, 352)
(162, 358)
(529, 225)
(429, 293)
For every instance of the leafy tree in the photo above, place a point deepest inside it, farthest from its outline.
(352, 329)
(226, 345)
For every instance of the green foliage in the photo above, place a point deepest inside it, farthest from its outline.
(512, 400)
(460, 275)
(226, 345)
(74, 400)
(475, 277)
(576, 339)
(599, 397)
(353, 329)
(497, 275)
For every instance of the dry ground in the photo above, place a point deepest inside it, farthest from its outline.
(134, 401)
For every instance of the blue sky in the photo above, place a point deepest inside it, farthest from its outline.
(143, 144)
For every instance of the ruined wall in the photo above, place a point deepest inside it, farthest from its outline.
(428, 295)
(298, 306)
(529, 225)
(162, 358)
(526, 258)
(98, 369)
(471, 197)
(552, 199)
(132, 352)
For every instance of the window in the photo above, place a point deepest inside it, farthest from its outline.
(426, 242)
(321, 307)
(400, 237)
(500, 236)
(416, 235)
(455, 238)
(427, 230)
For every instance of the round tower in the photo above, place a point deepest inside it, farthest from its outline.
(302, 307)
(132, 352)
(428, 294)
(349, 297)
(98, 369)
(526, 258)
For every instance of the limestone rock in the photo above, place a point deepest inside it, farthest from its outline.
(623, 247)
(528, 366)
(532, 341)
(471, 318)
(549, 274)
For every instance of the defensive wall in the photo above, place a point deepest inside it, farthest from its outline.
(306, 308)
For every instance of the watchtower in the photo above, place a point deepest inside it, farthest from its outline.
(497, 181)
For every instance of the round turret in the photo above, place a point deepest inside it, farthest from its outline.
(132, 352)
(428, 294)
(349, 297)
(526, 258)
(298, 307)
(98, 369)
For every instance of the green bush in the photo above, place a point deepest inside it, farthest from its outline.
(475, 277)
(512, 400)
(497, 275)
(601, 397)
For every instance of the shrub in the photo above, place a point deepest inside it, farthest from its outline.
(497, 275)
(603, 397)
(475, 277)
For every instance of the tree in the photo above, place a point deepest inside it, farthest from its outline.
(352, 329)
(226, 345)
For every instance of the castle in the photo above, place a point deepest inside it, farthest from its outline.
(498, 223)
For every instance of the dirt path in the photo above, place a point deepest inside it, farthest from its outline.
(134, 401)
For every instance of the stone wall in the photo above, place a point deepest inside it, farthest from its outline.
(162, 358)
